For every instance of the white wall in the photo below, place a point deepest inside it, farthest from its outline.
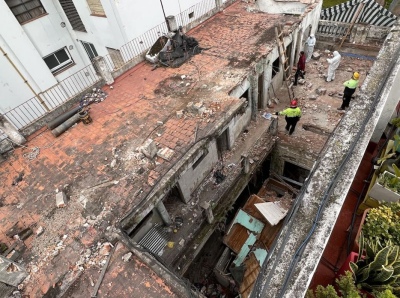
(19, 48)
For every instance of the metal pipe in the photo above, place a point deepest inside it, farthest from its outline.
(64, 126)
(25, 80)
(62, 118)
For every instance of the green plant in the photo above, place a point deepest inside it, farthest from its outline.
(391, 181)
(379, 268)
(395, 122)
(383, 224)
(346, 285)
(385, 294)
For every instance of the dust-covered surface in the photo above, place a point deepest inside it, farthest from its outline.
(330, 182)
(101, 167)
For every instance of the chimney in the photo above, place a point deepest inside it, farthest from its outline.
(171, 24)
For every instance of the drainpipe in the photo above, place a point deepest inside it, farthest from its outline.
(25, 80)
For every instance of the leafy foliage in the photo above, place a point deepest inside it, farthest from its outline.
(390, 181)
(379, 268)
(383, 224)
(385, 294)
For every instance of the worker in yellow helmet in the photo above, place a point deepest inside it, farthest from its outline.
(349, 89)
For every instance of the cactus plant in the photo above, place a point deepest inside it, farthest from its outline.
(379, 268)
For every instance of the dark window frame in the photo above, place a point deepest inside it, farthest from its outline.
(89, 49)
(72, 14)
(62, 65)
(23, 13)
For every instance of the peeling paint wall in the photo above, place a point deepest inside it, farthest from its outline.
(193, 176)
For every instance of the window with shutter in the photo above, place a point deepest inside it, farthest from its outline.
(58, 60)
(26, 10)
(72, 15)
(90, 49)
(96, 8)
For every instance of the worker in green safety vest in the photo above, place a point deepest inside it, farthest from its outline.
(349, 89)
(292, 116)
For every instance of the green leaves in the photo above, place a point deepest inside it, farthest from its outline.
(379, 267)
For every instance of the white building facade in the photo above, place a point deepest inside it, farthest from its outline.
(47, 46)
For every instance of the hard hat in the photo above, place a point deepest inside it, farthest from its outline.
(356, 75)
(311, 35)
(293, 104)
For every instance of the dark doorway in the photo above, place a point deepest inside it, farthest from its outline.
(294, 174)
(260, 90)
(222, 143)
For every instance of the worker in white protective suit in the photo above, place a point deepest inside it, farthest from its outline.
(310, 43)
(333, 65)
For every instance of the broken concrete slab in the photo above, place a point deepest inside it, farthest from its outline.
(320, 91)
(149, 149)
(61, 199)
(165, 153)
(316, 56)
(312, 96)
(11, 273)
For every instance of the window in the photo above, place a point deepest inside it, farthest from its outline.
(72, 15)
(191, 15)
(58, 60)
(90, 49)
(275, 67)
(26, 10)
(96, 8)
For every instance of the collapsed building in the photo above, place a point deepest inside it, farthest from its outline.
(167, 162)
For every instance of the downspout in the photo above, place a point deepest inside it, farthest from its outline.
(25, 80)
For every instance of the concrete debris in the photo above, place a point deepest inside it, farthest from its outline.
(113, 163)
(97, 95)
(321, 91)
(61, 199)
(301, 81)
(105, 249)
(189, 106)
(182, 242)
(197, 106)
(316, 56)
(39, 230)
(312, 96)
(179, 114)
(149, 149)
(127, 257)
(183, 77)
(165, 153)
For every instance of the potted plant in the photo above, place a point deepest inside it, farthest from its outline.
(377, 267)
(387, 186)
(380, 224)
(345, 286)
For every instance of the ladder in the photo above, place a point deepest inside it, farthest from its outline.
(287, 73)
(358, 11)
